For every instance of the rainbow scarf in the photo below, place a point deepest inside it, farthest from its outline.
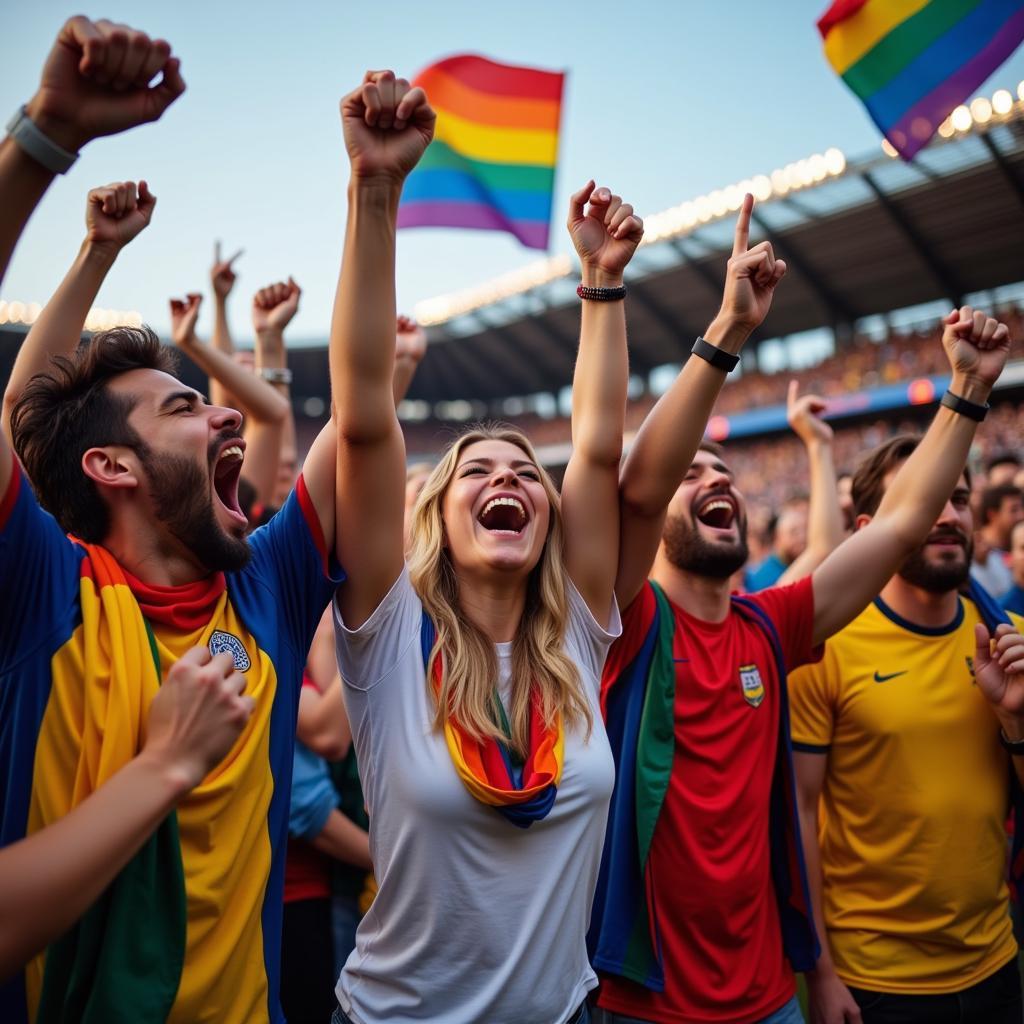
(491, 165)
(128, 949)
(523, 792)
(637, 702)
(912, 61)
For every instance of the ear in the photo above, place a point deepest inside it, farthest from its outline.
(113, 466)
(861, 521)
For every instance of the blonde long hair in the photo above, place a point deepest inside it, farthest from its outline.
(470, 674)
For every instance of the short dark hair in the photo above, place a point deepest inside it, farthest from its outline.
(711, 446)
(69, 409)
(992, 499)
(868, 485)
(1002, 458)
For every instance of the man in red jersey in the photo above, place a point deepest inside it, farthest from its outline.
(702, 896)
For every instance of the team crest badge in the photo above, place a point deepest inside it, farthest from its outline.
(221, 642)
(753, 688)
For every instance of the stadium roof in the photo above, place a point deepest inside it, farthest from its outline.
(860, 238)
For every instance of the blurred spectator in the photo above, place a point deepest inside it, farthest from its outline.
(1000, 510)
(1002, 468)
(1013, 599)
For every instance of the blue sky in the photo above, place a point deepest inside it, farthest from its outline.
(665, 100)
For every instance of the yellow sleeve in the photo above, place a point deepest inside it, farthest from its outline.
(811, 707)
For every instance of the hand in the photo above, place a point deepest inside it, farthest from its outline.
(115, 214)
(198, 714)
(184, 315)
(222, 274)
(751, 277)
(998, 668)
(976, 346)
(606, 235)
(804, 416)
(387, 126)
(274, 306)
(96, 82)
(410, 340)
(829, 1000)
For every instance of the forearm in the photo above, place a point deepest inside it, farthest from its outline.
(44, 890)
(601, 376)
(401, 379)
(824, 518)
(323, 724)
(23, 182)
(669, 437)
(363, 323)
(812, 863)
(222, 342)
(344, 840)
(58, 330)
(258, 398)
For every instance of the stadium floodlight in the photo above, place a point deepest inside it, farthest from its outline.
(1020, 91)
(835, 161)
(946, 129)
(961, 118)
(981, 110)
(889, 149)
(1002, 101)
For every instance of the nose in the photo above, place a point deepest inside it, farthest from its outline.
(505, 475)
(225, 418)
(949, 516)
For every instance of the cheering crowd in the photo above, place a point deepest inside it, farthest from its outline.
(448, 742)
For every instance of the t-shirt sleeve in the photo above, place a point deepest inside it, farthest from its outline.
(585, 637)
(290, 555)
(313, 794)
(39, 568)
(791, 608)
(811, 707)
(367, 654)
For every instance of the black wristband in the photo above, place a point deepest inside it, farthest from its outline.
(601, 294)
(1015, 747)
(717, 357)
(972, 410)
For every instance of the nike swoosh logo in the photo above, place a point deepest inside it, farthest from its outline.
(885, 679)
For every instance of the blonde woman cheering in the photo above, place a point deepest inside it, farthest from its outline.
(472, 675)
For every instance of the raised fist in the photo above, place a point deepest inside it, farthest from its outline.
(184, 314)
(96, 81)
(977, 346)
(605, 235)
(274, 306)
(410, 339)
(751, 276)
(116, 213)
(222, 274)
(387, 125)
(804, 416)
(198, 714)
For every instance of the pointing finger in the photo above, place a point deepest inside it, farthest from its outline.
(742, 236)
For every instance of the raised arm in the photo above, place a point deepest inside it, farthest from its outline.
(114, 215)
(605, 234)
(410, 348)
(824, 519)
(222, 280)
(977, 348)
(668, 438)
(387, 126)
(96, 81)
(193, 722)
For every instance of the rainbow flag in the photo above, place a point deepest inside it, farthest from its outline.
(491, 165)
(912, 61)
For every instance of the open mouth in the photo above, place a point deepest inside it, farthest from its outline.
(717, 512)
(504, 515)
(947, 540)
(226, 472)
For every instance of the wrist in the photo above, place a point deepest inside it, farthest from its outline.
(100, 253)
(374, 193)
(970, 388)
(65, 133)
(596, 277)
(174, 777)
(269, 343)
(1012, 726)
(726, 334)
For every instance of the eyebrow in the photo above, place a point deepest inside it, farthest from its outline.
(192, 397)
(516, 464)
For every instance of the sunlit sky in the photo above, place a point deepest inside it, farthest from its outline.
(665, 101)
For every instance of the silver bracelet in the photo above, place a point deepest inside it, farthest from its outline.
(275, 374)
(37, 144)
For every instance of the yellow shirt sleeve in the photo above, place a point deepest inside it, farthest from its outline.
(811, 704)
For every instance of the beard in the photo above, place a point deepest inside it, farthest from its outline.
(687, 550)
(182, 502)
(939, 576)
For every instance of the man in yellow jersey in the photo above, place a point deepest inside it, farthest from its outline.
(903, 788)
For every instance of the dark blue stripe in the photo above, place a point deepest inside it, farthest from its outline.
(450, 185)
(912, 627)
(811, 748)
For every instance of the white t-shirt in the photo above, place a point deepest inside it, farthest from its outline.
(475, 920)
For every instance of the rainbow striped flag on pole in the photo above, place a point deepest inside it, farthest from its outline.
(912, 61)
(491, 165)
